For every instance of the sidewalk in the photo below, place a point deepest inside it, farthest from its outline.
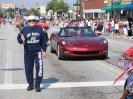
(110, 35)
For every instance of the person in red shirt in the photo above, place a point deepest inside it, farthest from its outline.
(0, 22)
(128, 54)
(109, 26)
(45, 27)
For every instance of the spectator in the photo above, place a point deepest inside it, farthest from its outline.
(105, 27)
(126, 27)
(116, 29)
(112, 26)
(0, 22)
(121, 25)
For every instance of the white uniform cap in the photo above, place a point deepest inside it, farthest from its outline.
(31, 18)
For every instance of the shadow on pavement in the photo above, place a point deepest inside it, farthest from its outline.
(85, 58)
(3, 39)
(12, 69)
(47, 82)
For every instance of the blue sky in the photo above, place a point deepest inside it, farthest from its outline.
(31, 3)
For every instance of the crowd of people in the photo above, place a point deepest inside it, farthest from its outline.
(114, 26)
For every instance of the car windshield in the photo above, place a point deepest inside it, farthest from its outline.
(76, 31)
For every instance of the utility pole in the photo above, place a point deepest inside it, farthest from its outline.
(81, 8)
(111, 8)
(77, 7)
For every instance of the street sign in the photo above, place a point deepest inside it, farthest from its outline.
(106, 1)
(116, 2)
(36, 3)
(76, 8)
(22, 5)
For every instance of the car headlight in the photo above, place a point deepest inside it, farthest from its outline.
(103, 42)
(63, 42)
(66, 43)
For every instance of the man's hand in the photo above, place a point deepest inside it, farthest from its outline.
(23, 38)
(43, 54)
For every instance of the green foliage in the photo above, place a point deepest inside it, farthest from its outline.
(24, 10)
(33, 11)
(11, 15)
(10, 10)
(50, 5)
(57, 6)
(1, 14)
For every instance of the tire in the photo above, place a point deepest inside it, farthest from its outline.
(105, 57)
(59, 53)
(51, 48)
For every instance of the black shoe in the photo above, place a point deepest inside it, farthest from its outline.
(38, 89)
(30, 87)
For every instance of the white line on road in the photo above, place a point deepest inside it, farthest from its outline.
(8, 72)
(64, 85)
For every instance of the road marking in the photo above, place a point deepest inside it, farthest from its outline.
(65, 85)
(8, 73)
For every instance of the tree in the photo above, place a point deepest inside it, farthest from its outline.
(57, 6)
(50, 5)
(1, 14)
(33, 11)
(61, 7)
(11, 15)
(10, 10)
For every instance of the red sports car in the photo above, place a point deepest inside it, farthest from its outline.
(78, 42)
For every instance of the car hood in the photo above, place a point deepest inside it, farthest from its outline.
(84, 40)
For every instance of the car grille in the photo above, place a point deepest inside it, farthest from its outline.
(86, 52)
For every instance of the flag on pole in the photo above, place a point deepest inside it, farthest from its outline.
(129, 68)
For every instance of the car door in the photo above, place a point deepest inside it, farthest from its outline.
(55, 41)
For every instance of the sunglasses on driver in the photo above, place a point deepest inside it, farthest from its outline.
(31, 21)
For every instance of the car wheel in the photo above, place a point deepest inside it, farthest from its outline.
(59, 53)
(51, 48)
(104, 57)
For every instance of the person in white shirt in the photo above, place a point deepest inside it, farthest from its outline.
(116, 29)
(89, 23)
(112, 27)
(126, 27)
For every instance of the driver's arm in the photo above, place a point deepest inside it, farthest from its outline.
(127, 57)
(128, 54)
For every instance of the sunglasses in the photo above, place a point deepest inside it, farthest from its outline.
(31, 21)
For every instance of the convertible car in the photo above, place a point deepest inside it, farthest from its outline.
(78, 42)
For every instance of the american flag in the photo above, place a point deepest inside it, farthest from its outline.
(122, 62)
(14, 21)
(128, 68)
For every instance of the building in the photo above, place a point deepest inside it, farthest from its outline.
(48, 15)
(92, 8)
(116, 8)
(7, 6)
(42, 10)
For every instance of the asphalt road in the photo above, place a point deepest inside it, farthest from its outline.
(63, 79)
